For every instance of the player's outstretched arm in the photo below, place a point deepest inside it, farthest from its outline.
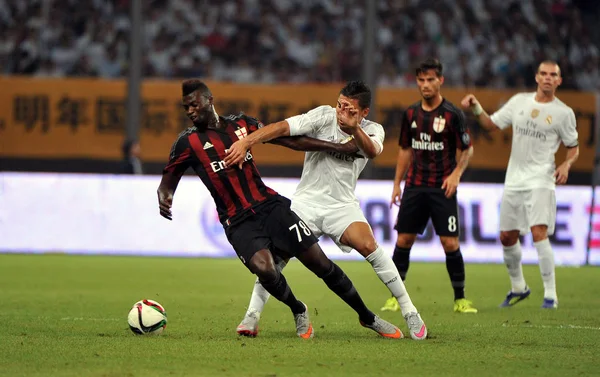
(470, 102)
(309, 144)
(237, 152)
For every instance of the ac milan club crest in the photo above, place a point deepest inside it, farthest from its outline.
(439, 124)
(241, 133)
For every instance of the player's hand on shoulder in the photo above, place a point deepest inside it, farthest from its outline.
(165, 201)
(236, 153)
(468, 101)
(396, 195)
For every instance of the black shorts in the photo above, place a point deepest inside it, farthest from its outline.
(419, 204)
(273, 226)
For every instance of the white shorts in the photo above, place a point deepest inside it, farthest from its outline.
(331, 222)
(520, 210)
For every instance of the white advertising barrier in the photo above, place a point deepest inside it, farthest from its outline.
(106, 214)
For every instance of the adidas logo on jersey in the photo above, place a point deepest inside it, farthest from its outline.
(413, 125)
(208, 145)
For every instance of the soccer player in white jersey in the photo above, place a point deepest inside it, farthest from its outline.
(540, 122)
(325, 198)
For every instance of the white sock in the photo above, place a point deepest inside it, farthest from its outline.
(546, 261)
(512, 260)
(260, 296)
(388, 273)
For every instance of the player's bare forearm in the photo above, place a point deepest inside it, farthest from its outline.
(365, 143)
(168, 183)
(309, 144)
(268, 133)
(572, 156)
(463, 161)
(484, 120)
(166, 190)
(402, 163)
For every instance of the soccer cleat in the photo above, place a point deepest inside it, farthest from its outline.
(416, 326)
(462, 305)
(304, 328)
(249, 325)
(550, 303)
(513, 297)
(384, 328)
(391, 305)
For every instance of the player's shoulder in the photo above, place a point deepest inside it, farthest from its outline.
(557, 103)
(414, 106)
(370, 126)
(242, 117)
(450, 107)
(185, 133)
(323, 110)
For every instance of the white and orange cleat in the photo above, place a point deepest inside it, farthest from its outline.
(304, 328)
(384, 328)
(249, 325)
(416, 326)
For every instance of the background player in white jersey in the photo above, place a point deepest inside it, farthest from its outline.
(325, 197)
(540, 122)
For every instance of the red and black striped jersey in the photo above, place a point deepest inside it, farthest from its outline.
(434, 137)
(234, 190)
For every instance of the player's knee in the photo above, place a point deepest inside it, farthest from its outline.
(449, 244)
(263, 266)
(405, 240)
(366, 247)
(509, 238)
(539, 233)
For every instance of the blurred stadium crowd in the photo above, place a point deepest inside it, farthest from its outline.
(492, 43)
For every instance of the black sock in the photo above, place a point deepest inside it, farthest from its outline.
(456, 269)
(401, 259)
(282, 291)
(342, 286)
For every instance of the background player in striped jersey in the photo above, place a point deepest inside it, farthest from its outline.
(540, 121)
(258, 222)
(325, 197)
(432, 133)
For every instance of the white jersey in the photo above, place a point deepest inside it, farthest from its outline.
(328, 178)
(538, 129)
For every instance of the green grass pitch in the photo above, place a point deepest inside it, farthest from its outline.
(66, 316)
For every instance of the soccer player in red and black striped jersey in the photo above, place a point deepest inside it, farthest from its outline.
(258, 222)
(433, 133)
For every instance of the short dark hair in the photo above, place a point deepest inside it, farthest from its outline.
(430, 64)
(358, 90)
(191, 85)
(549, 62)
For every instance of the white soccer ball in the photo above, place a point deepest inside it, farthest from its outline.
(147, 317)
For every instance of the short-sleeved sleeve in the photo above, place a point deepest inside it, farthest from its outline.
(377, 134)
(309, 123)
(405, 135)
(180, 156)
(504, 117)
(463, 138)
(568, 130)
